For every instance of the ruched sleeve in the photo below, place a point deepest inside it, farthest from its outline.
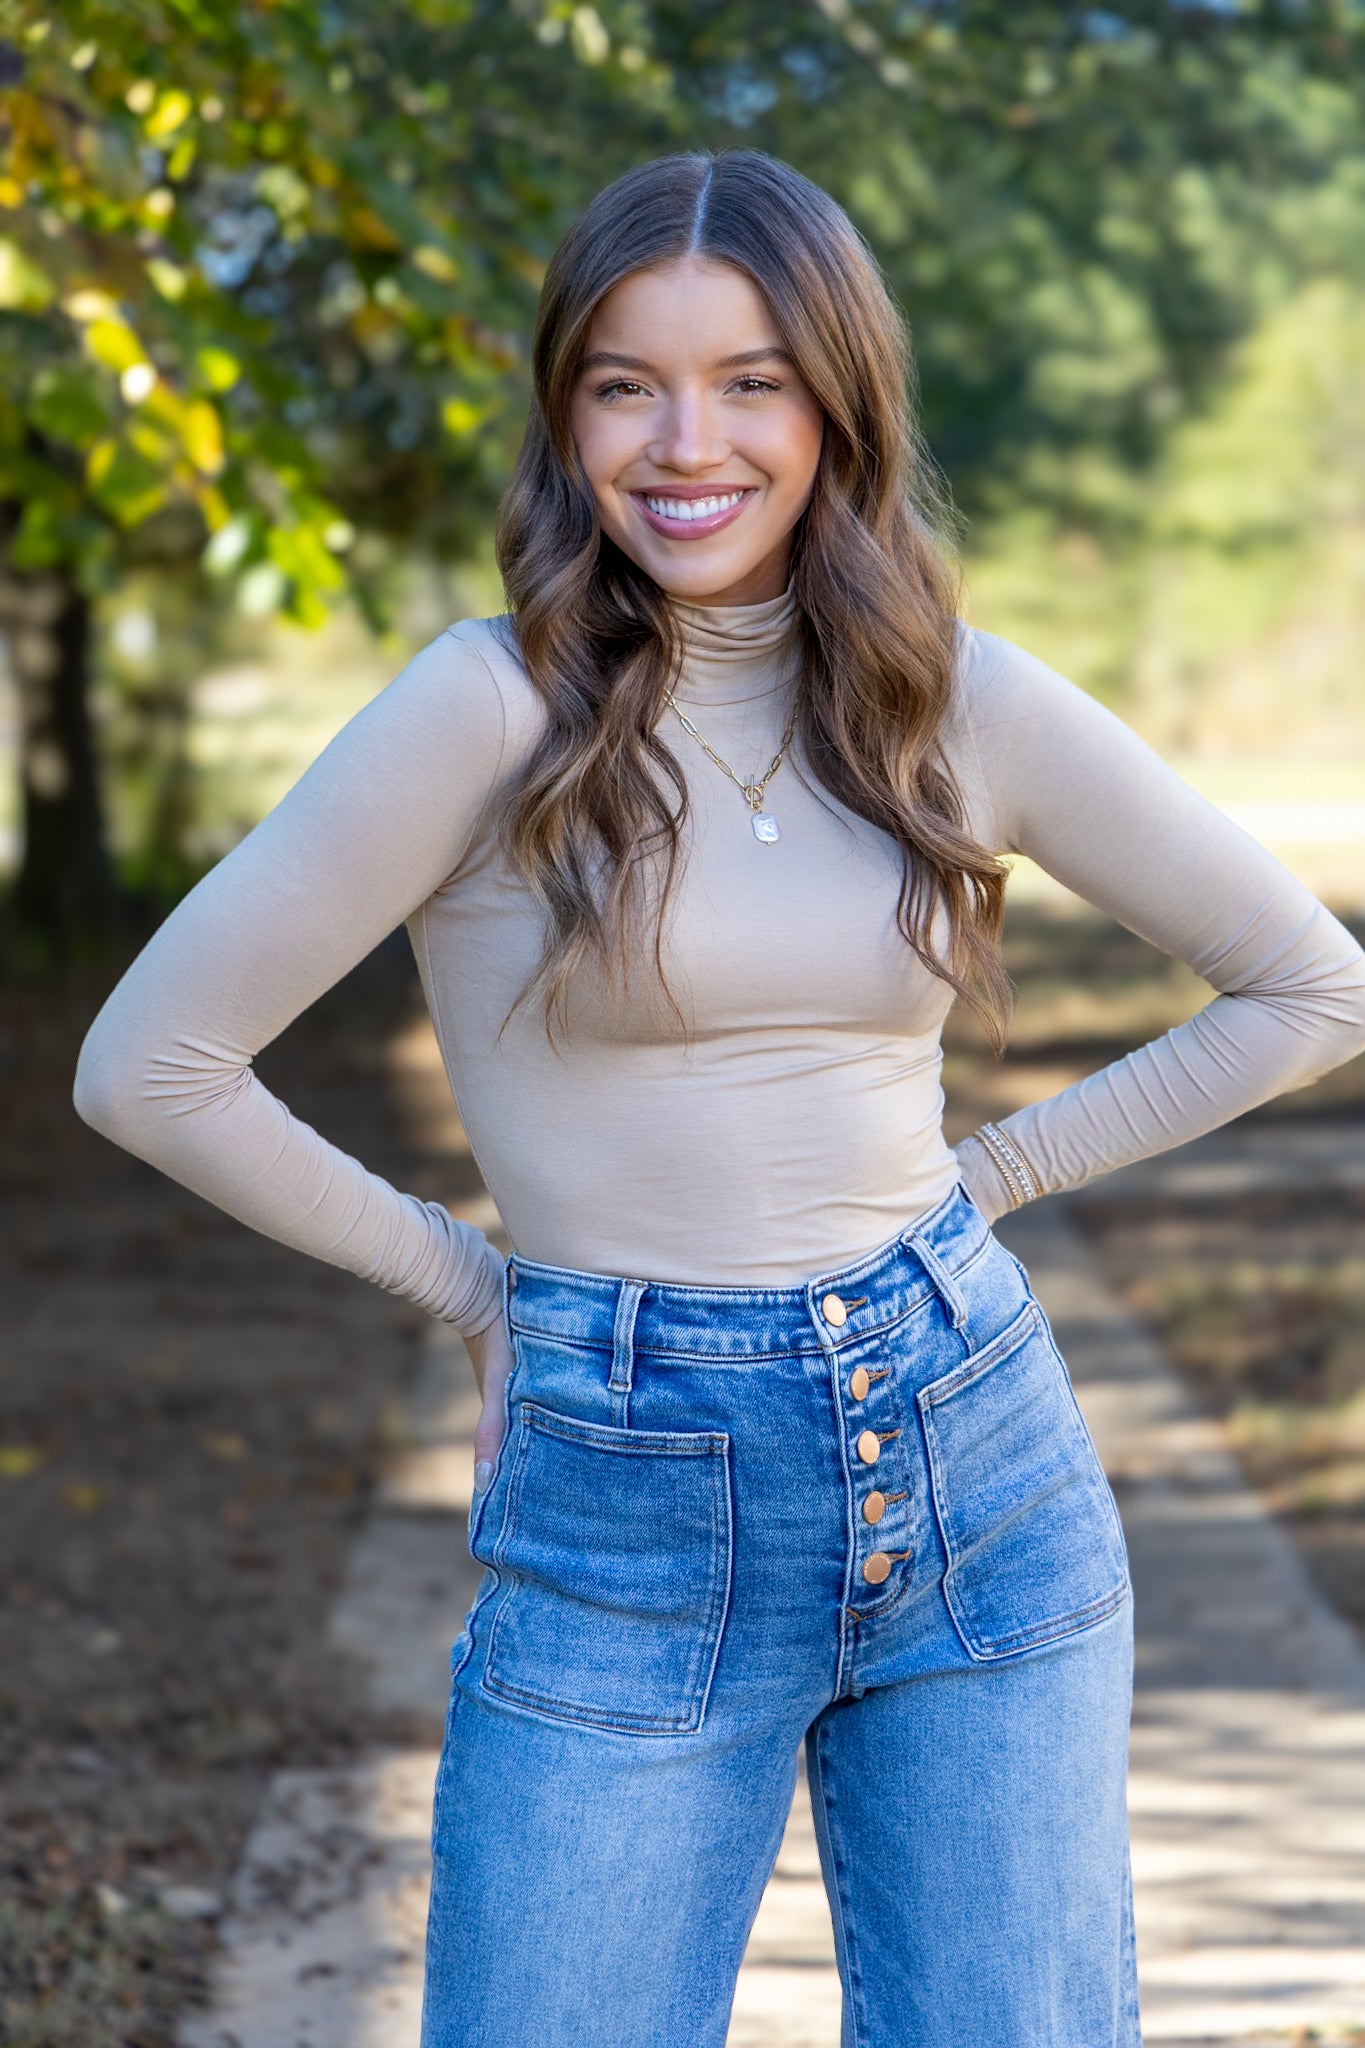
(382, 817)
(1057, 777)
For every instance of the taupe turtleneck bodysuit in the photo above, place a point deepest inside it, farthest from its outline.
(790, 1119)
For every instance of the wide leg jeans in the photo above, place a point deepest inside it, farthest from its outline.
(864, 1514)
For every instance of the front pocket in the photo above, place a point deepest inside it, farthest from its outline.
(1033, 1541)
(616, 1547)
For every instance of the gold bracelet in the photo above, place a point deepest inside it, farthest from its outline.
(1014, 1168)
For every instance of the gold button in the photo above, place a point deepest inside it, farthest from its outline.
(874, 1507)
(869, 1447)
(858, 1384)
(833, 1311)
(877, 1570)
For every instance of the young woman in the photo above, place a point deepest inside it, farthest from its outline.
(696, 848)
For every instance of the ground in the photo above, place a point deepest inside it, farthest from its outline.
(191, 1417)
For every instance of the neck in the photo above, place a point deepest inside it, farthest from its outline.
(734, 652)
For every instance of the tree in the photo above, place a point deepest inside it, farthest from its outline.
(263, 281)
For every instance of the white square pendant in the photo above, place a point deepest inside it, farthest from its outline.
(765, 827)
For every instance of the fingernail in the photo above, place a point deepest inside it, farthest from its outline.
(483, 1473)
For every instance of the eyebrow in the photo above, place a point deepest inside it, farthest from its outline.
(609, 359)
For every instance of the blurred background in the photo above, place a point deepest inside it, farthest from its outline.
(267, 279)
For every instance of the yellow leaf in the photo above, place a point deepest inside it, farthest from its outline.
(83, 1497)
(89, 304)
(17, 1461)
(203, 436)
(11, 192)
(114, 345)
(172, 109)
(214, 506)
(305, 608)
(459, 416)
(23, 287)
(218, 369)
(150, 443)
(98, 461)
(592, 44)
(435, 263)
(370, 231)
(169, 279)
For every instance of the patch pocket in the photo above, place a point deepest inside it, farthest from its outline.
(1033, 1540)
(616, 1544)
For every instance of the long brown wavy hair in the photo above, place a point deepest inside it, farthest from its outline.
(595, 823)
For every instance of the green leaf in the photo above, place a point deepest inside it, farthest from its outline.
(24, 288)
(66, 406)
(124, 483)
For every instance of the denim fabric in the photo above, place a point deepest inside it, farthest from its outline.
(674, 1598)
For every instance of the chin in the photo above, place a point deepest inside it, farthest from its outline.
(698, 582)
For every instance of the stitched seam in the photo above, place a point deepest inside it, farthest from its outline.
(1069, 1624)
(640, 1443)
(840, 1902)
(697, 1688)
(980, 1362)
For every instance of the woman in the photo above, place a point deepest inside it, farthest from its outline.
(696, 848)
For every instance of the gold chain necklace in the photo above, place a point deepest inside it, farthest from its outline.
(764, 823)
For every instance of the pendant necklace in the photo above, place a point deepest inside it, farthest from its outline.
(765, 827)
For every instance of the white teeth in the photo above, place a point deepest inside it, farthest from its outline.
(691, 508)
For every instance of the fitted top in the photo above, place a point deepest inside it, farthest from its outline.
(784, 1114)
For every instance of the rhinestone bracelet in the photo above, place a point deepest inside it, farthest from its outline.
(1014, 1168)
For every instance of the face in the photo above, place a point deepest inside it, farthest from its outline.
(697, 435)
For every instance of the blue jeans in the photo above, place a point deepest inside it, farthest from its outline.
(864, 1512)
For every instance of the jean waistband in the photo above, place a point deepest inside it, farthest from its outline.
(842, 1306)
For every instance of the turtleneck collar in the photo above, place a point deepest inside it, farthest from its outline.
(735, 652)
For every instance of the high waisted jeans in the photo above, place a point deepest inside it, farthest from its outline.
(864, 1512)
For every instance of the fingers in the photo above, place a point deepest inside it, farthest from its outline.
(496, 1364)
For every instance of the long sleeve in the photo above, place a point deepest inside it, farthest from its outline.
(1063, 781)
(375, 825)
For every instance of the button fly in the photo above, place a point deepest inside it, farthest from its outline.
(874, 1507)
(859, 1383)
(833, 1311)
(877, 1570)
(869, 1446)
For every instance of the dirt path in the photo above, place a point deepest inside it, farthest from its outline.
(191, 1418)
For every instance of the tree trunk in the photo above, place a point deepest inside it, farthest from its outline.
(64, 893)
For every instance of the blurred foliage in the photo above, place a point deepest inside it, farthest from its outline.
(268, 270)
(1230, 615)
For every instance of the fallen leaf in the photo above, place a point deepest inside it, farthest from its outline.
(18, 1460)
(84, 1497)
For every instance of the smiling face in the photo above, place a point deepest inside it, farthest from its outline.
(697, 435)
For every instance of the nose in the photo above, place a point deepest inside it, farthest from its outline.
(689, 437)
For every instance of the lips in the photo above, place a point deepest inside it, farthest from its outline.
(693, 514)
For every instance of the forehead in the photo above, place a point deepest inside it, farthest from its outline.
(691, 308)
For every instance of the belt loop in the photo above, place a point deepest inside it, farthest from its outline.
(949, 1292)
(623, 1340)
